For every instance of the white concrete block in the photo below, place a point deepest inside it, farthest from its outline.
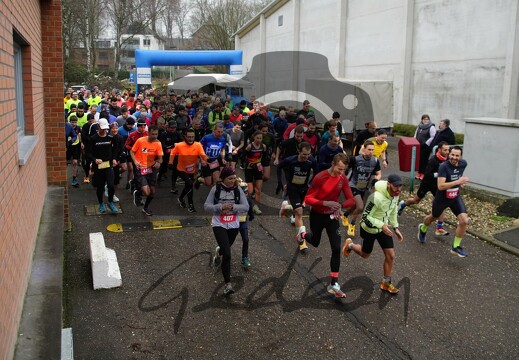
(67, 346)
(105, 269)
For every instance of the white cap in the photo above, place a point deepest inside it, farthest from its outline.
(103, 124)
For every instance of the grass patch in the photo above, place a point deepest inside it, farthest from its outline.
(501, 218)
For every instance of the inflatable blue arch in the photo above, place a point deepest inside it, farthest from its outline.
(146, 59)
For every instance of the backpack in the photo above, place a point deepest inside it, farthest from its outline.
(219, 190)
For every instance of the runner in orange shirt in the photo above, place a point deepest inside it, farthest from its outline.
(147, 155)
(188, 153)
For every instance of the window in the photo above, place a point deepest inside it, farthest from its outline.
(103, 55)
(18, 87)
(280, 20)
(147, 42)
(26, 141)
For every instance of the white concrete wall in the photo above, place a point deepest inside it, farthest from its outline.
(489, 134)
(458, 52)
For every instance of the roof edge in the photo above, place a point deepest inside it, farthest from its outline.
(267, 11)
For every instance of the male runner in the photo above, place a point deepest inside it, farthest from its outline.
(379, 215)
(187, 153)
(364, 168)
(450, 182)
(297, 173)
(323, 197)
(430, 183)
(147, 155)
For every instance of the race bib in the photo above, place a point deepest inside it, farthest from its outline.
(146, 171)
(214, 164)
(260, 167)
(298, 180)
(452, 193)
(190, 168)
(104, 165)
(227, 218)
(361, 185)
(243, 218)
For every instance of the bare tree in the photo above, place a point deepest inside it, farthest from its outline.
(168, 18)
(91, 31)
(181, 18)
(215, 21)
(72, 19)
(130, 17)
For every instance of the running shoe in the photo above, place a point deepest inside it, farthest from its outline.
(303, 249)
(191, 208)
(421, 234)
(245, 262)
(390, 288)
(217, 258)
(441, 232)
(459, 251)
(401, 207)
(283, 210)
(345, 221)
(336, 290)
(115, 198)
(137, 199)
(256, 210)
(300, 236)
(174, 190)
(102, 208)
(86, 180)
(112, 207)
(199, 180)
(132, 185)
(346, 251)
(147, 211)
(75, 183)
(351, 230)
(182, 203)
(293, 219)
(228, 290)
(106, 191)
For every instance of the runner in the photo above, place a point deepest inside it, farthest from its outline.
(214, 147)
(323, 197)
(269, 140)
(73, 135)
(147, 155)
(450, 180)
(187, 153)
(286, 149)
(430, 183)
(298, 169)
(102, 156)
(379, 215)
(225, 201)
(130, 141)
(254, 152)
(364, 168)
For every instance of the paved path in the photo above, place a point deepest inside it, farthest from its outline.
(170, 304)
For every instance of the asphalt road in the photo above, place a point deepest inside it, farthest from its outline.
(170, 305)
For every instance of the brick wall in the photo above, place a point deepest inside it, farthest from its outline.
(23, 188)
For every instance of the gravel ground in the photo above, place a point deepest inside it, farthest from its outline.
(482, 215)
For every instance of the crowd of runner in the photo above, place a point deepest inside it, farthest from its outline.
(197, 139)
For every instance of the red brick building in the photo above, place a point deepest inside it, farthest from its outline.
(32, 149)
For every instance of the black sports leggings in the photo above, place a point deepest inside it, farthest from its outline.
(319, 222)
(225, 238)
(188, 185)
